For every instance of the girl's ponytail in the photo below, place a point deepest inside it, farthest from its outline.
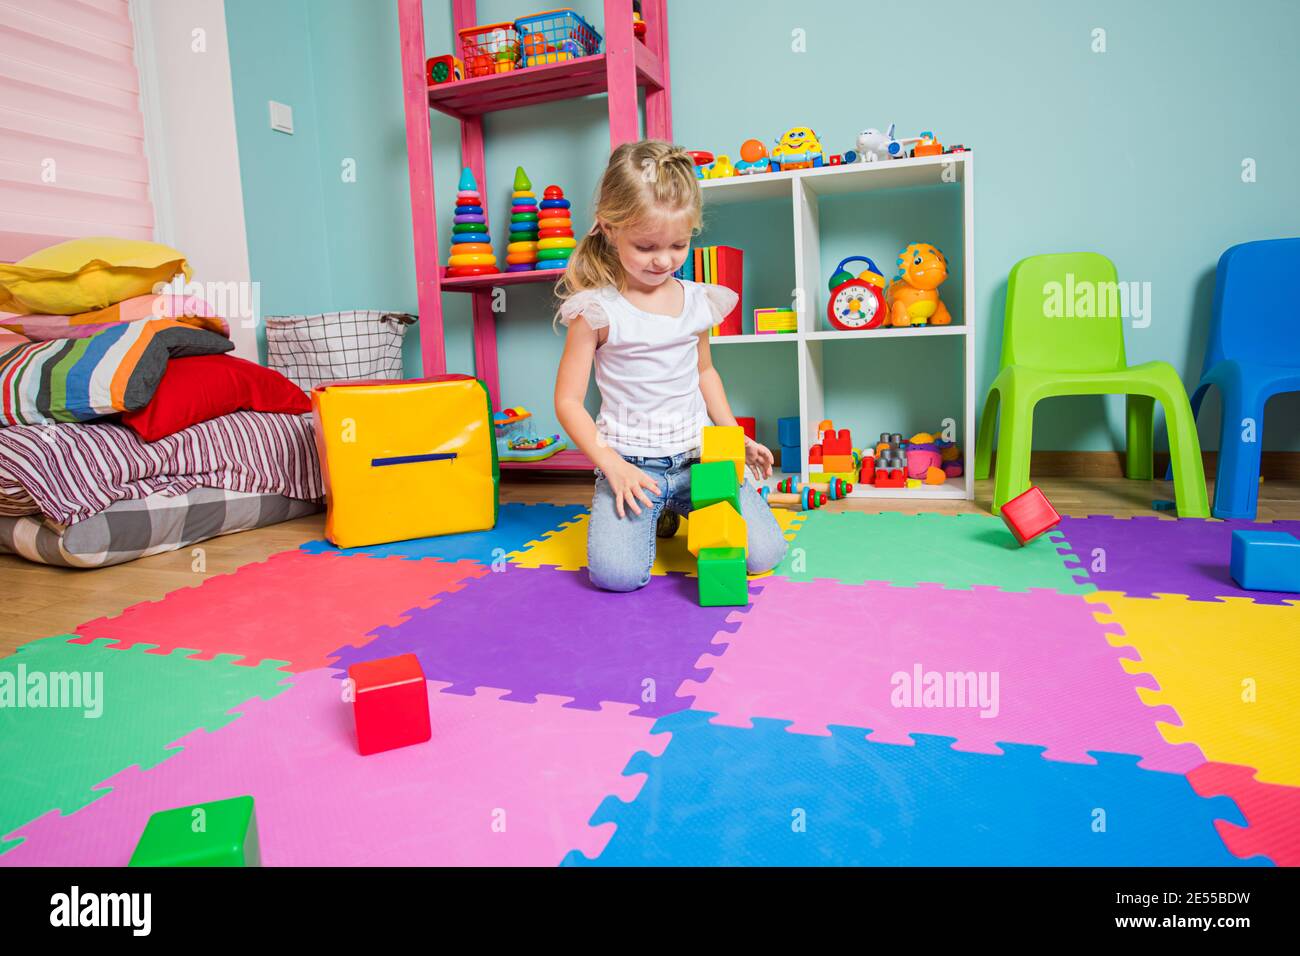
(643, 178)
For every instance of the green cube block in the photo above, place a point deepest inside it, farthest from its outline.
(221, 833)
(722, 575)
(714, 482)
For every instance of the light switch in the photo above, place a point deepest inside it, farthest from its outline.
(281, 117)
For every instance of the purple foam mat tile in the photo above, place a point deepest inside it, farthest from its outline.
(1145, 556)
(545, 631)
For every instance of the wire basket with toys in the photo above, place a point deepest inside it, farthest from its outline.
(488, 49)
(555, 36)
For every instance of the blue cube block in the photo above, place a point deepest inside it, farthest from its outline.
(791, 458)
(787, 432)
(1266, 561)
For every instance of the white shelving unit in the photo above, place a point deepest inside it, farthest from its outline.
(804, 188)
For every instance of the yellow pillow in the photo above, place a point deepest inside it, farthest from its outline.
(84, 274)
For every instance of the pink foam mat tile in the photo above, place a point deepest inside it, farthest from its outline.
(903, 661)
(1272, 812)
(500, 783)
(292, 607)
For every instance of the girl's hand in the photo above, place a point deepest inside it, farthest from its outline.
(628, 482)
(758, 458)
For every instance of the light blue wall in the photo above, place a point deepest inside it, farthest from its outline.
(1135, 152)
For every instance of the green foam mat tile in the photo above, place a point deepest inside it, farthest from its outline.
(51, 757)
(956, 551)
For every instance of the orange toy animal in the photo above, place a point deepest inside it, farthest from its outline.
(912, 295)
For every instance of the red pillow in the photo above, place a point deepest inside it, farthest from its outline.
(200, 387)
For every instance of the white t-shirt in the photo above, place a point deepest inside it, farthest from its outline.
(647, 369)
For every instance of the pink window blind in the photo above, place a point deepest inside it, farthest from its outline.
(72, 159)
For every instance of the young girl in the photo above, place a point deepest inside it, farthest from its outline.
(648, 336)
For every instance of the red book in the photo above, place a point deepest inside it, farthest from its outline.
(731, 273)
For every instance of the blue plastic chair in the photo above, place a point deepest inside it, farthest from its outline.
(1252, 355)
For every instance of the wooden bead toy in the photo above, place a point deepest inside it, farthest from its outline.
(471, 242)
(834, 490)
(805, 500)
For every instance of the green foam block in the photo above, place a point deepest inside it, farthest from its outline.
(712, 482)
(221, 833)
(722, 577)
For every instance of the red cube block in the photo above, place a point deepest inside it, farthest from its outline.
(1029, 515)
(750, 425)
(391, 703)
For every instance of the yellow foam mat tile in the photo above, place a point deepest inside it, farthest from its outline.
(1229, 668)
(566, 548)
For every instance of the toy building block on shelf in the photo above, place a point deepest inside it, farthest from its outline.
(220, 833)
(787, 436)
(834, 450)
(390, 703)
(521, 253)
(1029, 515)
(1266, 561)
(444, 69)
(555, 242)
(517, 438)
(405, 459)
(471, 245)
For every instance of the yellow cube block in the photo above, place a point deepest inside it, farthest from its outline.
(406, 459)
(717, 526)
(724, 443)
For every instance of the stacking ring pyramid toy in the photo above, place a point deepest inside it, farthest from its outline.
(471, 249)
(555, 237)
(521, 254)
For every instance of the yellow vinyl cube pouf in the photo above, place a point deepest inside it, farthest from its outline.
(406, 459)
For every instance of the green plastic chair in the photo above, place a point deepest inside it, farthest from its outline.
(1044, 356)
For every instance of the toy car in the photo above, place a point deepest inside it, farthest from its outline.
(798, 148)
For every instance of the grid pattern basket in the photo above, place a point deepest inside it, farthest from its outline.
(555, 36)
(310, 350)
(491, 48)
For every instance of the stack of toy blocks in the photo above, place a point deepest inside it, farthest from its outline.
(471, 245)
(716, 532)
(521, 253)
(787, 434)
(834, 454)
(555, 237)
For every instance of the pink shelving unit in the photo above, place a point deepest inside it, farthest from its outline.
(625, 66)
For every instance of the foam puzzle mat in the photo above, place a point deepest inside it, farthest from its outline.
(901, 690)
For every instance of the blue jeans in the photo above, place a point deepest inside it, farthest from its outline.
(620, 551)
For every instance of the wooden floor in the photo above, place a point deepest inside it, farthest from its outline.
(41, 602)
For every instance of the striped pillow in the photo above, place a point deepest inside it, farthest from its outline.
(75, 380)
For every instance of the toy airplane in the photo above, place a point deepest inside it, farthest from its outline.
(873, 146)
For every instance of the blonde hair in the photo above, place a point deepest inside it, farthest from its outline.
(642, 179)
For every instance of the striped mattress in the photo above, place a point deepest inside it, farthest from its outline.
(69, 472)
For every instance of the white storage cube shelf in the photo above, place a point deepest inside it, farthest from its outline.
(805, 190)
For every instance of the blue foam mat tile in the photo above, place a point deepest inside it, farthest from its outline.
(764, 796)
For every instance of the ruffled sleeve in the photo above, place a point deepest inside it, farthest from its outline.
(587, 304)
(721, 301)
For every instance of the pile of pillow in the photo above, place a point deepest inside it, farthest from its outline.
(84, 334)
